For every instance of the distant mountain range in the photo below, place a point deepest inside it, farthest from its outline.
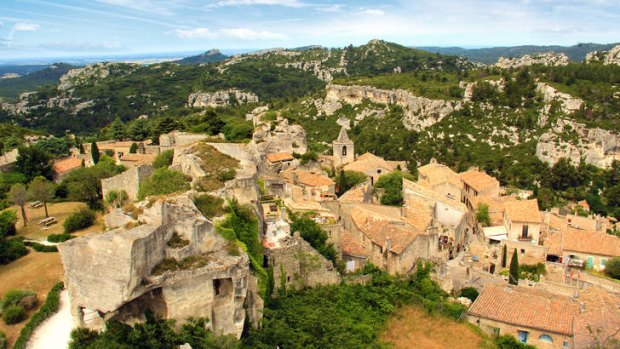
(210, 56)
(490, 55)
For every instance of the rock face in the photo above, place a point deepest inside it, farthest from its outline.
(129, 181)
(87, 75)
(277, 136)
(220, 98)
(119, 274)
(607, 57)
(317, 68)
(548, 59)
(568, 103)
(596, 146)
(419, 112)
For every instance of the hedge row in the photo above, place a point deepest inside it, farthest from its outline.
(52, 303)
(40, 247)
(59, 237)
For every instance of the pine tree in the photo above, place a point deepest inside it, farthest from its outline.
(513, 276)
(133, 149)
(505, 256)
(139, 130)
(94, 151)
(117, 129)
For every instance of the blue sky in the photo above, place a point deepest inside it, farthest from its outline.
(61, 28)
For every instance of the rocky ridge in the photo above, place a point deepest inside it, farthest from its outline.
(547, 59)
(607, 57)
(220, 98)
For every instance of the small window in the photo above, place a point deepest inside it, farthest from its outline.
(523, 335)
(545, 338)
(522, 251)
(217, 287)
(565, 345)
(344, 150)
(496, 331)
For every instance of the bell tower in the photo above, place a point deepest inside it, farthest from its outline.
(344, 149)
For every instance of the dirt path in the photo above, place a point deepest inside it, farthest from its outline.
(55, 331)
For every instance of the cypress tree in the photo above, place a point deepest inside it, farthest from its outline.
(94, 151)
(134, 148)
(505, 256)
(513, 276)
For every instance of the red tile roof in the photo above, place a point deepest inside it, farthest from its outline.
(313, 179)
(277, 157)
(478, 180)
(523, 211)
(352, 248)
(519, 307)
(66, 165)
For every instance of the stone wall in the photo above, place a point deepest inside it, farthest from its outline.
(179, 139)
(129, 181)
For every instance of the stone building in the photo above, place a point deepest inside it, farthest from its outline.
(534, 317)
(441, 179)
(62, 167)
(174, 264)
(478, 183)
(343, 149)
(129, 181)
(374, 166)
(522, 220)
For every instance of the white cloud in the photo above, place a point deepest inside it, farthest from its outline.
(372, 12)
(26, 27)
(228, 33)
(195, 33)
(163, 7)
(285, 3)
(249, 34)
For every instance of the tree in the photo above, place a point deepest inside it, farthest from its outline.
(164, 159)
(349, 179)
(564, 175)
(612, 268)
(34, 161)
(94, 151)
(164, 126)
(504, 256)
(513, 276)
(312, 232)
(19, 195)
(613, 195)
(134, 148)
(117, 129)
(482, 215)
(139, 130)
(56, 147)
(42, 190)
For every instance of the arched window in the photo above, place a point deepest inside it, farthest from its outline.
(545, 338)
(344, 150)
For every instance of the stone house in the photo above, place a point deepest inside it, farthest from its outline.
(393, 238)
(132, 160)
(374, 166)
(522, 220)
(478, 183)
(62, 167)
(279, 161)
(354, 255)
(534, 317)
(441, 179)
(585, 248)
(316, 186)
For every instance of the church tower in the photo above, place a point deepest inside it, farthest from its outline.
(344, 149)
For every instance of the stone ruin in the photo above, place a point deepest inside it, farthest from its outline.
(174, 264)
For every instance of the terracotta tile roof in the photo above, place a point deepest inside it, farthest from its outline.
(602, 313)
(478, 180)
(590, 242)
(379, 227)
(516, 306)
(497, 206)
(313, 179)
(418, 215)
(523, 211)
(277, 157)
(139, 157)
(370, 162)
(355, 194)
(352, 248)
(435, 174)
(417, 189)
(66, 165)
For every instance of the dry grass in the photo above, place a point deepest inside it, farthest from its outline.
(218, 167)
(61, 211)
(413, 328)
(35, 271)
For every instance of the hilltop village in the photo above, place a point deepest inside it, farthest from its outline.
(163, 254)
(223, 223)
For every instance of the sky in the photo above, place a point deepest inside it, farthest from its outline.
(66, 28)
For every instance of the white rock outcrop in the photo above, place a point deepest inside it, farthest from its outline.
(607, 57)
(90, 74)
(419, 112)
(276, 137)
(547, 59)
(568, 103)
(220, 98)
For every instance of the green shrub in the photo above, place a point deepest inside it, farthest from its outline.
(40, 247)
(470, 293)
(227, 174)
(3, 340)
(59, 237)
(116, 198)
(163, 159)
(210, 206)
(81, 219)
(163, 181)
(13, 297)
(612, 268)
(52, 302)
(11, 249)
(13, 314)
(392, 183)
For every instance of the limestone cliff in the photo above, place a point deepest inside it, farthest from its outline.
(419, 112)
(575, 141)
(175, 264)
(277, 136)
(220, 98)
(547, 59)
(567, 102)
(607, 57)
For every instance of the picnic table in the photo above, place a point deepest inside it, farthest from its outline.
(35, 204)
(46, 222)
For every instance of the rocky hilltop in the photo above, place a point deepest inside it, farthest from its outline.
(607, 57)
(220, 98)
(547, 59)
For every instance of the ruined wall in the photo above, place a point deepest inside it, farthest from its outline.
(129, 181)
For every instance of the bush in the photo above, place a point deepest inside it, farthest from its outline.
(612, 268)
(14, 297)
(116, 198)
(59, 237)
(81, 219)
(13, 314)
(470, 293)
(11, 249)
(164, 159)
(52, 302)
(163, 181)
(227, 174)
(40, 247)
(2, 340)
